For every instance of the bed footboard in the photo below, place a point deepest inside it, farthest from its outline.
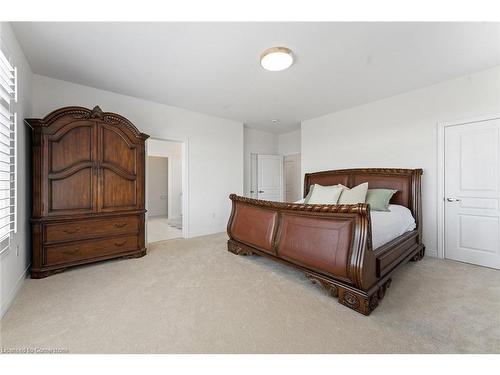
(330, 243)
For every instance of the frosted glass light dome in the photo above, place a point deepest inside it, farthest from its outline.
(276, 59)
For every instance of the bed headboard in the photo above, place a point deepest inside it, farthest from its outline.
(406, 181)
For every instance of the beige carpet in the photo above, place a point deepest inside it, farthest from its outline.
(192, 296)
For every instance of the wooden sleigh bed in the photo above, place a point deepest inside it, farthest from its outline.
(332, 243)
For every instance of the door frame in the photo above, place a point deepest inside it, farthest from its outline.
(185, 182)
(441, 126)
(299, 154)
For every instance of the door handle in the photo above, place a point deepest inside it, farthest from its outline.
(453, 199)
(261, 191)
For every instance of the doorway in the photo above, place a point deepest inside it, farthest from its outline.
(470, 192)
(164, 190)
(266, 177)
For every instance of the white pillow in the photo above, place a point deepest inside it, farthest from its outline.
(355, 195)
(324, 194)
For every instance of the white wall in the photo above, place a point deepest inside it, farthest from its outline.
(400, 131)
(257, 142)
(214, 144)
(172, 151)
(157, 178)
(289, 143)
(16, 261)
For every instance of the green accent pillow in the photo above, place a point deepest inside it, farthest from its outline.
(378, 199)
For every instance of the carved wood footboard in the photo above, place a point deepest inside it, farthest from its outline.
(331, 243)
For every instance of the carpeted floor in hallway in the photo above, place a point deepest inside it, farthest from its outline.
(193, 296)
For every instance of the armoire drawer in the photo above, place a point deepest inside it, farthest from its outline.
(90, 228)
(83, 250)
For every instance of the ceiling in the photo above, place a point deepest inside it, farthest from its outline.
(214, 68)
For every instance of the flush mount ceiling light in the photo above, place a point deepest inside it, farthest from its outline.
(276, 59)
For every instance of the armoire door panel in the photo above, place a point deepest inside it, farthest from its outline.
(117, 150)
(71, 180)
(70, 146)
(71, 193)
(119, 159)
(117, 192)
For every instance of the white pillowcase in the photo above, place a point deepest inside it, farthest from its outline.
(324, 194)
(355, 195)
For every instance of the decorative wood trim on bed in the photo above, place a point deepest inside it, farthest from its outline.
(332, 244)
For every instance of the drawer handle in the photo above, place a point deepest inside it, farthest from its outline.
(71, 231)
(119, 244)
(120, 225)
(70, 252)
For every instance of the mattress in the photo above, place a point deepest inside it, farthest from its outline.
(387, 225)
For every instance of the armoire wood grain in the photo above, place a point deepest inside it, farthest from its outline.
(88, 189)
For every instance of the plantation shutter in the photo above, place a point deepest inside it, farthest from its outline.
(8, 119)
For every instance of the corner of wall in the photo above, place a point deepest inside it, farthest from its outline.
(290, 143)
(8, 300)
(16, 261)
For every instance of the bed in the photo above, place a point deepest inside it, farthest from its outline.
(333, 243)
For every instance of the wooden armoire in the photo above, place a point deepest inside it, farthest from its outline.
(88, 189)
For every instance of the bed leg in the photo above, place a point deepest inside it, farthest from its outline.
(359, 302)
(419, 255)
(362, 303)
(330, 288)
(238, 249)
(356, 300)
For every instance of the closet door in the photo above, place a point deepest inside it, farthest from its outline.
(71, 181)
(120, 170)
(472, 193)
(270, 177)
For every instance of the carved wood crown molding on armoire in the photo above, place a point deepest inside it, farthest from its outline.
(88, 189)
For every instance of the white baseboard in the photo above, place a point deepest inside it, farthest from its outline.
(7, 302)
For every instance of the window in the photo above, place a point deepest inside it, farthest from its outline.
(8, 119)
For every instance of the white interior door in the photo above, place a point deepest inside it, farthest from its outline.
(292, 178)
(472, 193)
(270, 177)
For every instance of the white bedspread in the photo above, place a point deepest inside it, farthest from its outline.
(386, 226)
